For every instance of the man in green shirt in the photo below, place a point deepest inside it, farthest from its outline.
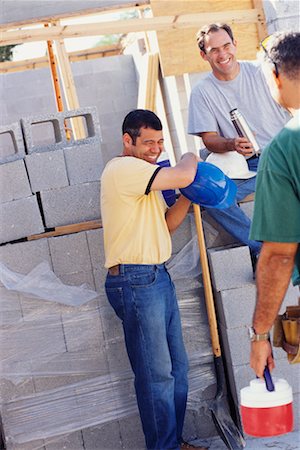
(276, 219)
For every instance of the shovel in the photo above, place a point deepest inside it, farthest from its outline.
(225, 426)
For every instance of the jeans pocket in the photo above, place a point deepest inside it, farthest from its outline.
(143, 279)
(116, 299)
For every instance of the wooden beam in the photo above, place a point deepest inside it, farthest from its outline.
(68, 229)
(149, 82)
(69, 88)
(262, 29)
(38, 63)
(163, 23)
(141, 4)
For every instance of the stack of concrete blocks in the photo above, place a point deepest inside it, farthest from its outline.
(20, 214)
(235, 295)
(65, 379)
(65, 173)
(48, 185)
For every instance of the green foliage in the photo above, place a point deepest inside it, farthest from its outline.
(6, 52)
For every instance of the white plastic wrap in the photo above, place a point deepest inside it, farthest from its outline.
(43, 283)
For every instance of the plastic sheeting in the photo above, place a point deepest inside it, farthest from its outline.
(59, 368)
(43, 283)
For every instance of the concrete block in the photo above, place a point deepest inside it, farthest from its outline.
(84, 163)
(83, 331)
(70, 254)
(14, 183)
(90, 123)
(39, 337)
(78, 279)
(106, 436)
(11, 143)
(230, 267)
(24, 256)
(131, 432)
(53, 128)
(47, 170)
(72, 204)
(248, 208)
(236, 345)
(19, 219)
(236, 306)
(72, 441)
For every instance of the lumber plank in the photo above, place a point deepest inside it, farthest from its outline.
(68, 229)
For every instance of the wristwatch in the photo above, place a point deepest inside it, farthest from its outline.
(254, 337)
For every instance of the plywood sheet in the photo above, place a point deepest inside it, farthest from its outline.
(178, 49)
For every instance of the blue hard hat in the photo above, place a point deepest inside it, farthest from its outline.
(168, 194)
(211, 188)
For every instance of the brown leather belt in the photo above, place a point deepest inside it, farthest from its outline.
(114, 270)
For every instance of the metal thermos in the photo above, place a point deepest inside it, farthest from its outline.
(243, 129)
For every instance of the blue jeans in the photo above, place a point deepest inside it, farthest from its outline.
(144, 298)
(233, 219)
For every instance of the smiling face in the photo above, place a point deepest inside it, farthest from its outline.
(220, 53)
(148, 146)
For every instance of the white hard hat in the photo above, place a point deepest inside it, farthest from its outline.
(233, 164)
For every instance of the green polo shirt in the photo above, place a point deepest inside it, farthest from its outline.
(277, 197)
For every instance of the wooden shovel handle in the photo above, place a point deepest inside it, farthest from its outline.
(209, 300)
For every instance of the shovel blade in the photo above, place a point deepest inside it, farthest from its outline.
(226, 427)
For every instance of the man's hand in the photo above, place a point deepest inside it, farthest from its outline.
(243, 146)
(260, 357)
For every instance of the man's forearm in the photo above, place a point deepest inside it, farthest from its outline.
(176, 214)
(273, 275)
(216, 143)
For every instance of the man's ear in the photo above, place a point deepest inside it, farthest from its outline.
(234, 42)
(277, 79)
(127, 140)
(203, 54)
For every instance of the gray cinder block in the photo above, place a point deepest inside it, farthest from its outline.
(70, 254)
(19, 219)
(72, 204)
(230, 267)
(11, 143)
(91, 123)
(59, 135)
(22, 257)
(84, 162)
(235, 306)
(14, 183)
(46, 170)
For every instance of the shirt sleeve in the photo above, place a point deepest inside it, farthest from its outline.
(133, 176)
(276, 210)
(201, 117)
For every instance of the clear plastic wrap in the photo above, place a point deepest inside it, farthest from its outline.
(43, 283)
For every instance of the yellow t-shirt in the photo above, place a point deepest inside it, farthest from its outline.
(134, 225)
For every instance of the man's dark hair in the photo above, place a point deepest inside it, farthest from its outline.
(137, 119)
(212, 28)
(283, 49)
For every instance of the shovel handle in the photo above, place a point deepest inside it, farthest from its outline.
(209, 300)
(268, 380)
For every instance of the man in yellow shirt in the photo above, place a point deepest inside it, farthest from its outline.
(137, 226)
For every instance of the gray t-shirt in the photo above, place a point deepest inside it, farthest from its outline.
(212, 99)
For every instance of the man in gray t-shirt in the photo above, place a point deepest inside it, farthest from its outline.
(232, 84)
